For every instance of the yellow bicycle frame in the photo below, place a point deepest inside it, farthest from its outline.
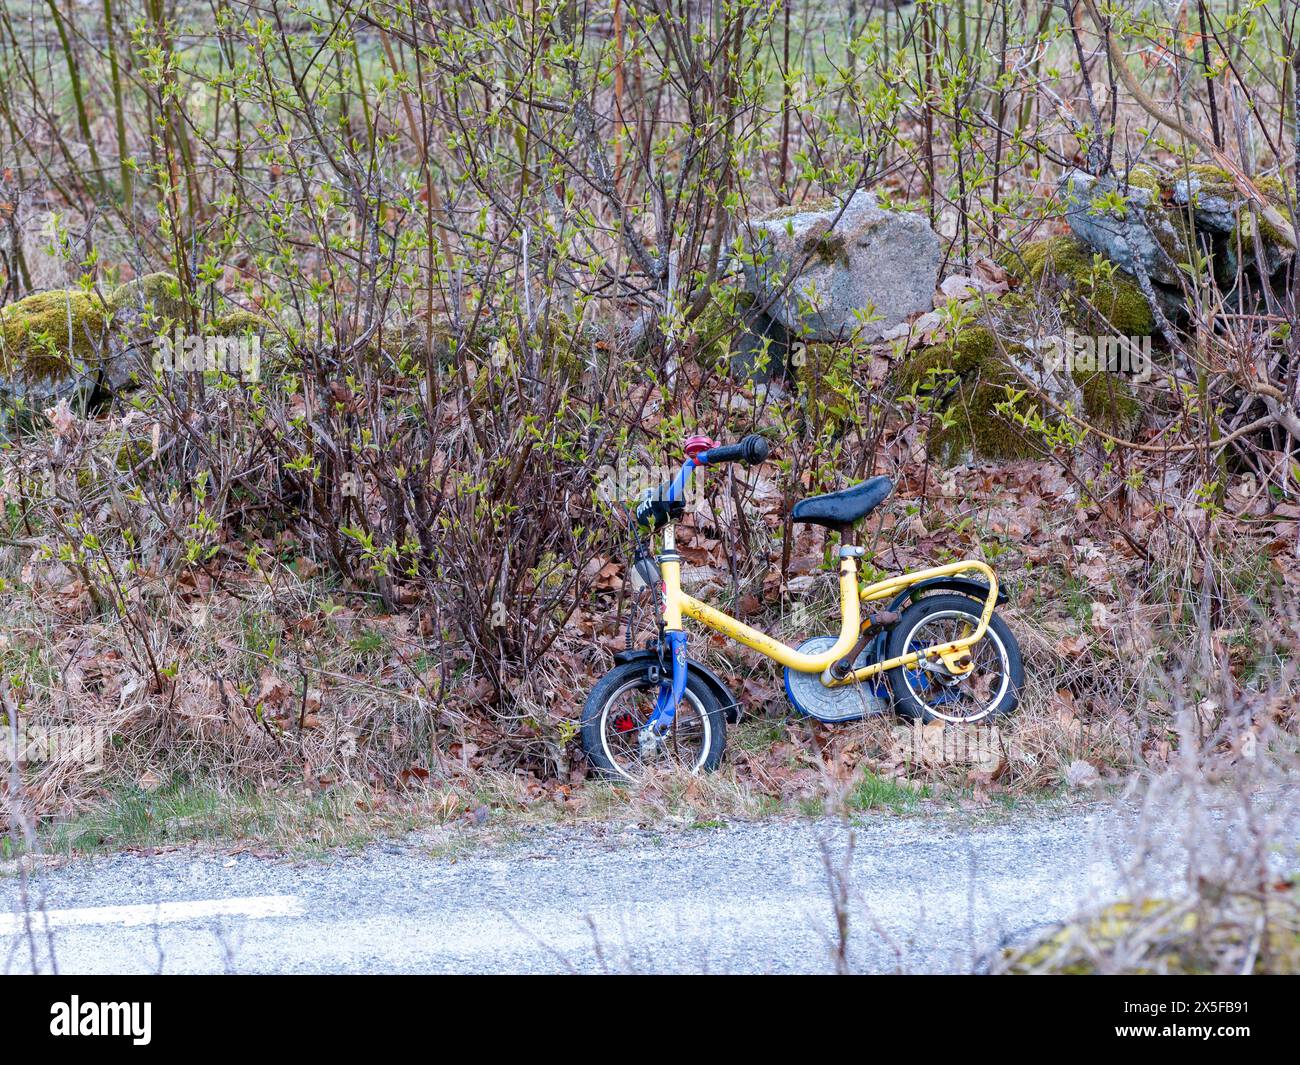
(677, 603)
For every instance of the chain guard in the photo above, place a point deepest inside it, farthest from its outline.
(811, 697)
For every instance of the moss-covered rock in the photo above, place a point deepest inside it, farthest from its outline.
(1173, 223)
(154, 298)
(50, 340)
(1224, 223)
(1108, 401)
(1159, 936)
(1099, 294)
(1098, 300)
(45, 337)
(1279, 194)
(69, 342)
(965, 379)
(238, 322)
(1276, 251)
(1129, 222)
(1142, 176)
(980, 387)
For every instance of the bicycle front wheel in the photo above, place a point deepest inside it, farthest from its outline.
(623, 702)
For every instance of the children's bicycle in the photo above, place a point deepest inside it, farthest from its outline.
(928, 645)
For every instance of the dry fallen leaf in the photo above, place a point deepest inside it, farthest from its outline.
(61, 418)
(272, 691)
(1080, 774)
(1102, 621)
(150, 781)
(1072, 646)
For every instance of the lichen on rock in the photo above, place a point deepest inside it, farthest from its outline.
(790, 210)
(845, 271)
(1129, 223)
(1162, 936)
(1209, 191)
(1173, 222)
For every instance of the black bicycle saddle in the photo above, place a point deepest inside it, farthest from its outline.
(840, 509)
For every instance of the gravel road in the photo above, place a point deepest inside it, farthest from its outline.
(933, 893)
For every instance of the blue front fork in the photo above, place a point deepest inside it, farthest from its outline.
(671, 690)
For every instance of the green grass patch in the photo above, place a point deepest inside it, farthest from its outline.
(880, 793)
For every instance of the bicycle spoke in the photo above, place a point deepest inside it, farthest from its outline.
(973, 694)
(684, 744)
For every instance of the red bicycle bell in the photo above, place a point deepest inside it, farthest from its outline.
(697, 444)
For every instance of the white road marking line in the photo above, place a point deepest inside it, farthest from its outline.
(154, 913)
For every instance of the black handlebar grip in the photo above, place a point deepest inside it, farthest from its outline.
(756, 449)
(751, 451)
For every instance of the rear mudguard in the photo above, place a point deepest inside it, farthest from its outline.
(966, 585)
(729, 703)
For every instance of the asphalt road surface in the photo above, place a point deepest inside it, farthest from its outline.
(924, 893)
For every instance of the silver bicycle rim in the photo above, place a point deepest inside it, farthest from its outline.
(989, 635)
(688, 696)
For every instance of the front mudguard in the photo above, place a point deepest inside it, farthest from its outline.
(729, 703)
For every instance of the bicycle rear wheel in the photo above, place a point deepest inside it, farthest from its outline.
(990, 689)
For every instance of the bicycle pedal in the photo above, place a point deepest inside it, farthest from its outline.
(882, 619)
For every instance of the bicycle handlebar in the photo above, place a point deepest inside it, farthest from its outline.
(667, 502)
(752, 450)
